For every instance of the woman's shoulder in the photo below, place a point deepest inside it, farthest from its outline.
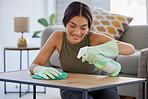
(56, 38)
(94, 34)
(58, 35)
(98, 38)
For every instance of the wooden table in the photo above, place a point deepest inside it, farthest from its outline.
(74, 81)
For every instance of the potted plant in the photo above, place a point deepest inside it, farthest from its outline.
(44, 22)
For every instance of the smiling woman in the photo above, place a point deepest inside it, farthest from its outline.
(77, 21)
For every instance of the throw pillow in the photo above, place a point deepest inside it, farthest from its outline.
(112, 25)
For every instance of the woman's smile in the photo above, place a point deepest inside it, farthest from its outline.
(76, 37)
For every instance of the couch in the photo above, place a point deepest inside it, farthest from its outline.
(134, 65)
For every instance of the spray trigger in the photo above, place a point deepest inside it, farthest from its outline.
(82, 52)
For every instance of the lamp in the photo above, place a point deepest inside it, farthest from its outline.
(21, 24)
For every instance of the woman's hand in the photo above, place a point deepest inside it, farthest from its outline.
(99, 52)
(46, 72)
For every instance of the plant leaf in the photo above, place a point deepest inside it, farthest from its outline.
(43, 21)
(35, 35)
(53, 19)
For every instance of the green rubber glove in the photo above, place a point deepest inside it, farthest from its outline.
(46, 72)
(98, 53)
(63, 76)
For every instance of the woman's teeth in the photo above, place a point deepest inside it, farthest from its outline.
(75, 36)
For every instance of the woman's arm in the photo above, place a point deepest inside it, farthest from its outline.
(124, 48)
(46, 52)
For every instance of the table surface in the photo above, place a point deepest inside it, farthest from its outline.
(73, 80)
(22, 48)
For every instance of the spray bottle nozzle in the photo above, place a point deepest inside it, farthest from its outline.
(82, 52)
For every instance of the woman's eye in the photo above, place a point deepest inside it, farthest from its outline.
(83, 28)
(72, 26)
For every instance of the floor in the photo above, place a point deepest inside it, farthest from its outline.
(51, 93)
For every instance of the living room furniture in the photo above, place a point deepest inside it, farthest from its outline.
(21, 24)
(134, 65)
(20, 49)
(74, 81)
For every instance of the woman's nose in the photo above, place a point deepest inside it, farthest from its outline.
(77, 31)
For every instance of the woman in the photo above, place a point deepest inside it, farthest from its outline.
(77, 21)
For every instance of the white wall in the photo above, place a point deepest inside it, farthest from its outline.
(0, 40)
(133, 8)
(147, 10)
(19, 8)
(34, 9)
(50, 7)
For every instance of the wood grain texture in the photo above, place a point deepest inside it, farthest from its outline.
(73, 80)
(127, 97)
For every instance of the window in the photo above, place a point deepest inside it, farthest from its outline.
(133, 8)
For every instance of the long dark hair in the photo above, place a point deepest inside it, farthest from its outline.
(77, 9)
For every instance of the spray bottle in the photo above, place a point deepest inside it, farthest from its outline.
(106, 64)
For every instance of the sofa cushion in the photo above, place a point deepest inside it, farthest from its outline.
(54, 59)
(110, 24)
(137, 35)
(128, 90)
(129, 63)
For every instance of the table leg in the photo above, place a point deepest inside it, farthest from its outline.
(28, 58)
(5, 87)
(44, 89)
(34, 91)
(28, 65)
(145, 90)
(20, 89)
(20, 59)
(4, 61)
(84, 94)
(4, 70)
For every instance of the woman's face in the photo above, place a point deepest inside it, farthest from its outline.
(76, 29)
